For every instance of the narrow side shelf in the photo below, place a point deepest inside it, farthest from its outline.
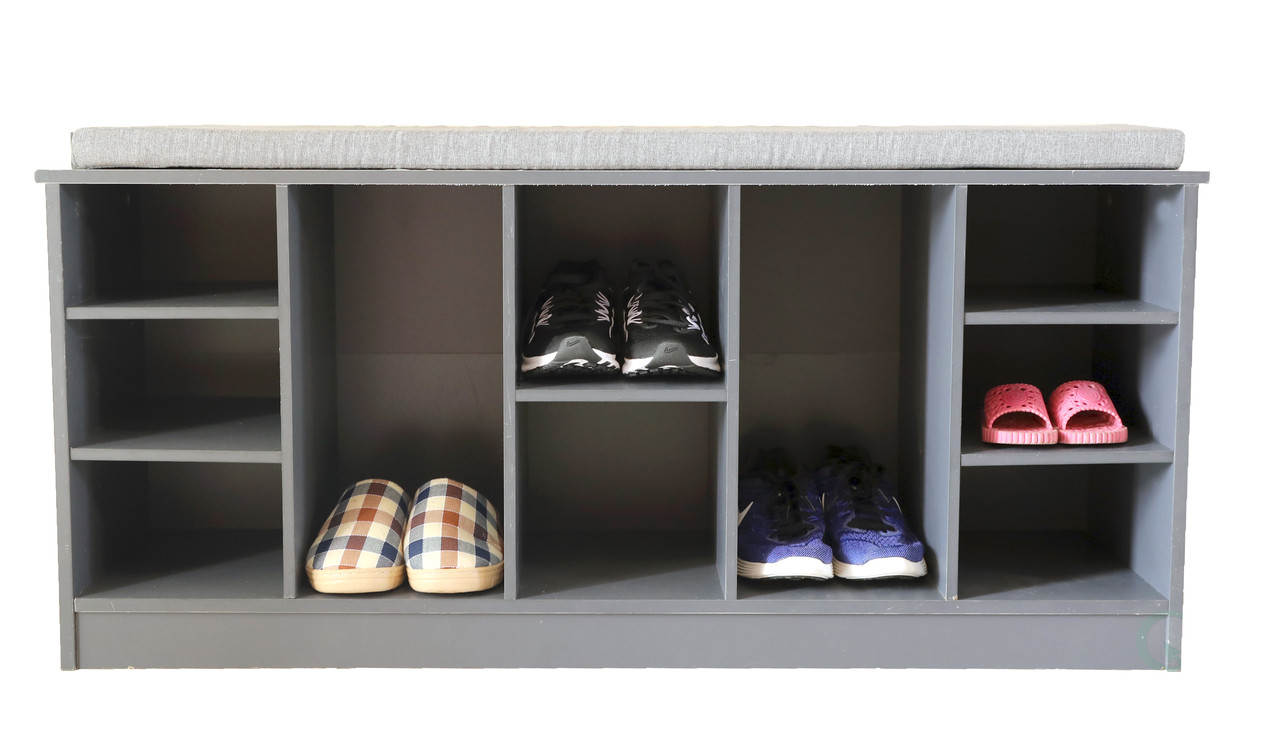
(191, 564)
(187, 301)
(1064, 570)
(620, 389)
(192, 430)
(1058, 305)
(1140, 448)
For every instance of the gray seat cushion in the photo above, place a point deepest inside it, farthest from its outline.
(630, 148)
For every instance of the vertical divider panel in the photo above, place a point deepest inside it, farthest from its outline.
(1173, 643)
(304, 221)
(727, 214)
(510, 424)
(68, 585)
(932, 347)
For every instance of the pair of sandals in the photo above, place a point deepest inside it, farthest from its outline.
(1079, 413)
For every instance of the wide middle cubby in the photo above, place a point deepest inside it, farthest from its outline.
(395, 294)
(832, 342)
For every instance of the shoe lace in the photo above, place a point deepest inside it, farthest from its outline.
(789, 513)
(571, 305)
(662, 298)
(855, 495)
(572, 299)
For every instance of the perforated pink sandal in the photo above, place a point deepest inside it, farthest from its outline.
(1015, 415)
(1084, 415)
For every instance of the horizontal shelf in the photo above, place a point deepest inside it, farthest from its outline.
(188, 301)
(1058, 305)
(619, 566)
(1140, 448)
(839, 595)
(191, 565)
(622, 389)
(1064, 570)
(191, 430)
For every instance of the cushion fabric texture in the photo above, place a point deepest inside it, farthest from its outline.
(629, 147)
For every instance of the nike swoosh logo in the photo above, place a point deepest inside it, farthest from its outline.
(742, 515)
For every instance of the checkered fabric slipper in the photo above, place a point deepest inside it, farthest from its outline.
(455, 541)
(358, 549)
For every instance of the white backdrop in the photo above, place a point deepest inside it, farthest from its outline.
(1208, 68)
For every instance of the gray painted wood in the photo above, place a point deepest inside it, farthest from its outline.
(820, 338)
(209, 430)
(511, 453)
(187, 301)
(63, 257)
(620, 565)
(364, 274)
(829, 598)
(726, 418)
(304, 248)
(629, 177)
(933, 324)
(1049, 566)
(1139, 449)
(247, 640)
(1178, 509)
(1058, 305)
(619, 468)
(178, 566)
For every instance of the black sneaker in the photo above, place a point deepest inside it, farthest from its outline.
(662, 331)
(570, 329)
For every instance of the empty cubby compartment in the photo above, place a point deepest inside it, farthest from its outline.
(1097, 533)
(1074, 245)
(176, 530)
(617, 501)
(400, 374)
(821, 337)
(189, 244)
(204, 387)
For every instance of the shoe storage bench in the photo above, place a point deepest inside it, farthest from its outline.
(232, 348)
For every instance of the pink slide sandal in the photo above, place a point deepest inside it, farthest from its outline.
(1015, 415)
(1084, 415)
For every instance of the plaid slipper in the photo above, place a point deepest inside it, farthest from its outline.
(454, 543)
(358, 549)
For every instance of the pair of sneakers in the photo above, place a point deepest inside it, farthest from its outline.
(842, 519)
(446, 539)
(576, 329)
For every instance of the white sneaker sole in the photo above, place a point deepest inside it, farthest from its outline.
(608, 360)
(635, 365)
(879, 568)
(794, 567)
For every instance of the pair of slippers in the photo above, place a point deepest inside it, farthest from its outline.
(445, 537)
(1079, 413)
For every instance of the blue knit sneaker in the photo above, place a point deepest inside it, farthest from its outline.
(868, 534)
(780, 523)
